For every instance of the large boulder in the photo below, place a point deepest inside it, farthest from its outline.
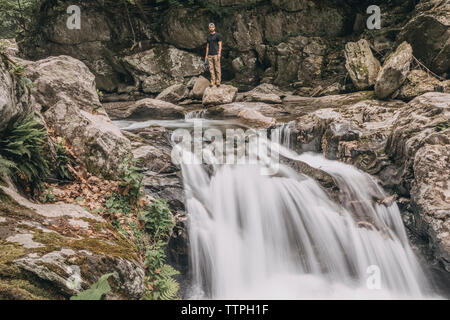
(361, 65)
(65, 90)
(394, 71)
(63, 78)
(417, 83)
(255, 119)
(219, 95)
(428, 32)
(265, 92)
(95, 140)
(419, 145)
(174, 93)
(154, 108)
(199, 87)
(55, 251)
(163, 66)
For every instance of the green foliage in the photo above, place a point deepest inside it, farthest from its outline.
(165, 287)
(48, 196)
(100, 95)
(22, 146)
(158, 220)
(62, 162)
(133, 179)
(118, 203)
(97, 291)
(15, 15)
(443, 126)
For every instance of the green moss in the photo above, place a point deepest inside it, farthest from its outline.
(124, 249)
(11, 208)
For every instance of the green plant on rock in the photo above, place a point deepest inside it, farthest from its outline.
(158, 222)
(48, 196)
(160, 275)
(97, 291)
(443, 126)
(22, 154)
(62, 162)
(132, 179)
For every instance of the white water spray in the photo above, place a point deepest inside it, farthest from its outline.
(255, 236)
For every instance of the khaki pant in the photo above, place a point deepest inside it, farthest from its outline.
(214, 69)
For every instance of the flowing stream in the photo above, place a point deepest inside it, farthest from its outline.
(255, 236)
(281, 236)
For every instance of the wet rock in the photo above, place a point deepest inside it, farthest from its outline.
(219, 95)
(417, 83)
(233, 109)
(174, 93)
(62, 259)
(153, 108)
(361, 65)
(394, 71)
(255, 119)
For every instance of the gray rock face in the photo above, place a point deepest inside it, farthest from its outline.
(199, 87)
(394, 71)
(360, 63)
(153, 108)
(174, 93)
(265, 92)
(98, 142)
(219, 95)
(417, 83)
(163, 66)
(428, 33)
(255, 119)
(61, 78)
(419, 144)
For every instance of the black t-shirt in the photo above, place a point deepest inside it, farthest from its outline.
(213, 41)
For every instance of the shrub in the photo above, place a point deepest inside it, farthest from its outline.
(22, 152)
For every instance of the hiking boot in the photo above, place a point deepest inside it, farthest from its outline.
(211, 84)
(218, 84)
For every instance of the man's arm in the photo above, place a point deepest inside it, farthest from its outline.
(220, 49)
(207, 50)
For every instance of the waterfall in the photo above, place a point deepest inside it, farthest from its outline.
(282, 134)
(196, 114)
(255, 236)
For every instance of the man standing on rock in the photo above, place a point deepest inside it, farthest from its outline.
(213, 54)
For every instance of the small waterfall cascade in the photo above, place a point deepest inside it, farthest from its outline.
(196, 114)
(280, 236)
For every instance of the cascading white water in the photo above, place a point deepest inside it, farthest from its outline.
(196, 114)
(254, 236)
